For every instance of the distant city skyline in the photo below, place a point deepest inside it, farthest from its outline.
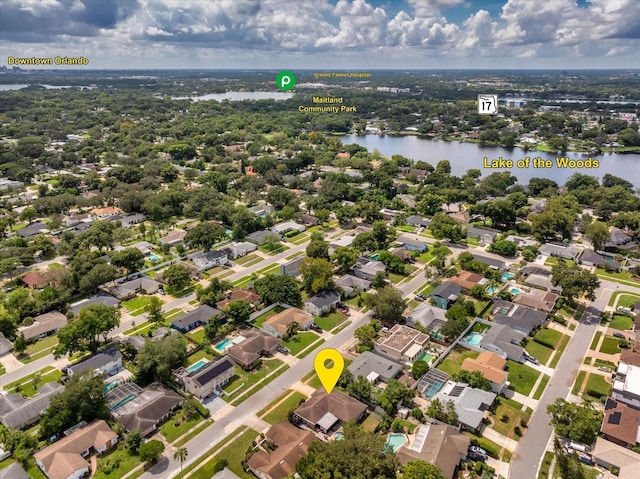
(325, 34)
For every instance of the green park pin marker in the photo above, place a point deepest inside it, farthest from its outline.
(285, 80)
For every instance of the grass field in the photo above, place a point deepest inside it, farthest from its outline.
(26, 385)
(137, 303)
(597, 386)
(605, 364)
(539, 351)
(623, 277)
(623, 298)
(243, 380)
(610, 345)
(197, 336)
(271, 269)
(521, 377)
(541, 387)
(120, 457)
(197, 356)
(546, 465)
(300, 341)
(621, 322)
(176, 426)
(327, 323)
(280, 249)
(512, 410)
(578, 384)
(281, 412)
(559, 350)
(232, 450)
(548, 337)
(38, 350)
(596, 340)
(248, 260)
(453, 361)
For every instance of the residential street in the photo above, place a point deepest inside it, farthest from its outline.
(528, 456)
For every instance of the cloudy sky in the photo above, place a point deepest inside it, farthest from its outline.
(326, 34)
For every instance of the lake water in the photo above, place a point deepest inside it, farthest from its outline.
(463, 156)
(20, 86)
(239, 96)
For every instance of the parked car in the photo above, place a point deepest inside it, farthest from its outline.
(618, 334)
(418, 298)
(477, 453)
(283, 350)
(315, 327)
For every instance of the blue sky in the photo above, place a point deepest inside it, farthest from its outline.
(324, 34)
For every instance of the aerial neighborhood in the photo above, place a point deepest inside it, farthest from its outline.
(170, 270)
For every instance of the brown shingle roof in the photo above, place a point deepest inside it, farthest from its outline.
(281, 320)
(62, 458)
(292, 444)
(255, 344)
(42, 324)
(467, 279)
(342, 406)
(489, 364)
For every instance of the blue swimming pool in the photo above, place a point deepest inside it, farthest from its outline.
(375, 257)
(396, 441)
(338, 436)
(197, 365)
(515, 291)
(492, 289)
(111, 385)
(222, 345)
(153, 257)
(506, 277)
(474, 338)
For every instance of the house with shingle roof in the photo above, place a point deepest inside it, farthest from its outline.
(324, 411)
(255, 345)
(65, 458)
(291, 444)
(43, 325)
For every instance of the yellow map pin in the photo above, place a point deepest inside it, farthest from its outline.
(328, 375)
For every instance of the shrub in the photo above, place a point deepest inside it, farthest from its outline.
(517, 431)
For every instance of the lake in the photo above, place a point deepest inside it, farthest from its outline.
(463, 156)
(239, 96)
(17, 86)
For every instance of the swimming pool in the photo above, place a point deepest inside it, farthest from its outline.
(111, 385)
(375, 257)
(153, 257)
(506, 277)
(396, 441)
(338, 436)
(426, 357)
(224, 344)
(474, 338)
(197, 365)
(515, 291)
(492, 289)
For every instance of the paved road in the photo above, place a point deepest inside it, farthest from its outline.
(218, 431)
(127, 321)
(532, 446)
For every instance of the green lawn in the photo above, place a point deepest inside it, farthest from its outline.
(541, 387)
(259, 321)
(26, 386)
(232, 449)
(610, 345)
(295, 255)
(552, 260)
(300, 341)
(193, 432)
(116, 464)
(621, 322)
(539, 351)
(426, 290)
(298, 239)
(173, 314)
(578, 384)
(243, 380)
(513, 414)
(176, 426)
(546, 465)
(491, 447)
(281, 248)
(597, 386)
(370, 423)
(313, 347)
(453, 361)
(548, 337)
(251, 258)
(559, 350)
(197, 336)
(521, 377)
(271, 269)
(38, 350)
(596, 340)
(623, 298)
(281, 412)
(243, 282)
(137, 303)
(327, 323)
(605, 364)
(134, 329)
(197, 356)
(623, 277)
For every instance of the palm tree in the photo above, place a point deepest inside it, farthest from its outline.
(181, 455)
(292, 328)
